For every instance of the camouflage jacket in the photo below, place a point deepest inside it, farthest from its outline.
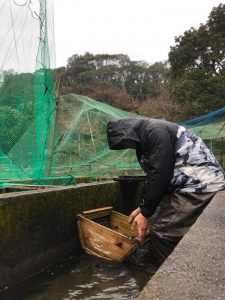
(196, 168)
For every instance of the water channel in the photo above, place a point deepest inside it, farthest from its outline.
(84, 277)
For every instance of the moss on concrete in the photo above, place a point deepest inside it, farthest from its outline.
(35, 223)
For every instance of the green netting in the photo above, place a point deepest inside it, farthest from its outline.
(41, 141)
(27, 101)
(44, 140)
(82, 148)
(211, 128)
(210, 131)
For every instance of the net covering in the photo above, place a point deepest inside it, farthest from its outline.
(27, 101)
(44, 137)
(82, 148)
(211, 128)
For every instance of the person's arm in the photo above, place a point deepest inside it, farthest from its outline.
(159, 166)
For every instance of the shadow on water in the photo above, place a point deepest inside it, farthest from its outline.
(86, 277)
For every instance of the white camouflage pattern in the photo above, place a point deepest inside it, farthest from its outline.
(196, 169)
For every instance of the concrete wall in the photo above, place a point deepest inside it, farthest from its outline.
(196, 268)
(38, 227)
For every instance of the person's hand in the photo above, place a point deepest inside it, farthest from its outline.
(133, 215)
(142, 224)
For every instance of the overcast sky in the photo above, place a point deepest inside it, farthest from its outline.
(142, 29)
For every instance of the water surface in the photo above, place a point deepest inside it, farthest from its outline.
(86, 277)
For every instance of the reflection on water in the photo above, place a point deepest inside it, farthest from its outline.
(86, 277)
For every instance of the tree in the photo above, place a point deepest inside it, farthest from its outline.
(137, 79)
(197, 62)
(12, 124)
(16, 89)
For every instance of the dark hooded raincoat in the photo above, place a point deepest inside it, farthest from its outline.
(172, 158)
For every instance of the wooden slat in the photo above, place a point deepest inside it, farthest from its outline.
(104, 242)
(98, 212)
(119, 223)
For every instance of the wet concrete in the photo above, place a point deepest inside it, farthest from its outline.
(196, 268)
(38, 227)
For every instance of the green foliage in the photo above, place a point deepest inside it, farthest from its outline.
(136, 79)
(198, 64)
(11, 123)
(16, 89)
(16, 107)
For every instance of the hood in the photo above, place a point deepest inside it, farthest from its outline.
(121, 129)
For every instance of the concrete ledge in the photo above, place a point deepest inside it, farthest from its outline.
(38, 227)
(196, 268)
